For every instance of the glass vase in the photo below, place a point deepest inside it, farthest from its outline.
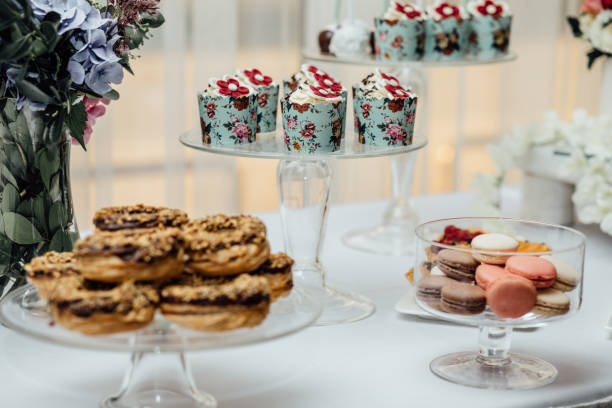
(36, 212)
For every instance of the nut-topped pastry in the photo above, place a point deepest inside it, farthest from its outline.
(44, 271)
(138, 216)
(277, 271)
(222, 245)
(92, 307)
(134, 254)
(216, 304)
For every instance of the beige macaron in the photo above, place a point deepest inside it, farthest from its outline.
(551, 302)
(493, 242)
(567, 275)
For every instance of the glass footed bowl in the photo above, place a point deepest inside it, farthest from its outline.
(494, 366)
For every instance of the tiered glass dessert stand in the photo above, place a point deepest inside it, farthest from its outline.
(395, 235)
(304, 182)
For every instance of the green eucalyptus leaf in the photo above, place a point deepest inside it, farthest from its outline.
(39, 216)
(16, 160)
(54, 189)
(6, 248)
(32, 91)
(39, 47)
(6, 175)
(112, 95)
(154, 20)
(10, 110)
(21, 133)
(77, 117)
(10, 198)
(12, 50)
(19, 229)
(26, 208)
(57, 217)
(48, 162)
(61, 241)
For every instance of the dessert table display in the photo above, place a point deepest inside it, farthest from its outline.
(304, 182)
(322, 366)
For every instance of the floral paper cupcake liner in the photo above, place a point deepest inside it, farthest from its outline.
(313, 126)
(384, 111)
(447, 33)
(399, 40)
(228, 119)
(490, 29)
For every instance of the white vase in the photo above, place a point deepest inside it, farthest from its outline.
(605, 91)
(546, 199)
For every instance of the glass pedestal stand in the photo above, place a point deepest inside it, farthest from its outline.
(304, 183)
(395, 235)
(494, 367)
(159, 375)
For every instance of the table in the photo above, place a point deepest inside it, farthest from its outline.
(381, 361)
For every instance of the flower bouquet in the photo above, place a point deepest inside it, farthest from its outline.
(594, 24)
(58, 60)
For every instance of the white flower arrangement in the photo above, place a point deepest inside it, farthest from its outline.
(586, 143)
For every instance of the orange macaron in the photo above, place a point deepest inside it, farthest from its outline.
(511, 296)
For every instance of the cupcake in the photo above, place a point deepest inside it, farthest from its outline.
(490, 32)
(313, 118)
(446, 32)
(267, 98)
(400, 33)
(228, 112)
(384, 111)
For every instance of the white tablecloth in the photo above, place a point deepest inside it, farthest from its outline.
(382, 361)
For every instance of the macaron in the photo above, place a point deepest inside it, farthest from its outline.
(511, 296)
(462, 298)
(494, 242)
(551, 302)
(487, 274)
(541, 272)
(429, 288)
(567, 275)
(457, 264)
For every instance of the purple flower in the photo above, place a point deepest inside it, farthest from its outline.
(93, 47)
(73, 14)
(101, 75)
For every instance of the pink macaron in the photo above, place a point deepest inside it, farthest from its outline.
(538, 270)
(511, 296)
(487, 274)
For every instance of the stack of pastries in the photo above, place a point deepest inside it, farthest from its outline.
(210, 274)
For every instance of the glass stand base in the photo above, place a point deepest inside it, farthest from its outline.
(382, 240)
(159, 380)
(341, 306)
(521, 372)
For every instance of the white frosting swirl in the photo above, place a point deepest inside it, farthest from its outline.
(472, 7)
(393, 14)
(304, 95)
(432, 13)
(374, 85)
(213, 89)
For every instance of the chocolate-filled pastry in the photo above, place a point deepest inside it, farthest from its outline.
(222, 245)
(93, 308)
(277, 271)
(135, 254)
(216, 304)
(138, 216)
(45, 271)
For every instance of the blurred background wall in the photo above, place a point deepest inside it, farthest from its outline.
(135, 156)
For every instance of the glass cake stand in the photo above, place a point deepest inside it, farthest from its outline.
(146, 384)
(493, 366)
(304, 182)
(395, 235)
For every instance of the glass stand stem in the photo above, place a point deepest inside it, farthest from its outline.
(159, 380)
(494, 346)
(304, 187)
(400, 211)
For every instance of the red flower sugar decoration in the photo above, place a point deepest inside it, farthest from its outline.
(312, 69)
(324, 92)
(232, 87)
(489, 8)
(257, 78)
(326, 81)
(447, 10)
(397, 91)
(408, 10)
(391, 79)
